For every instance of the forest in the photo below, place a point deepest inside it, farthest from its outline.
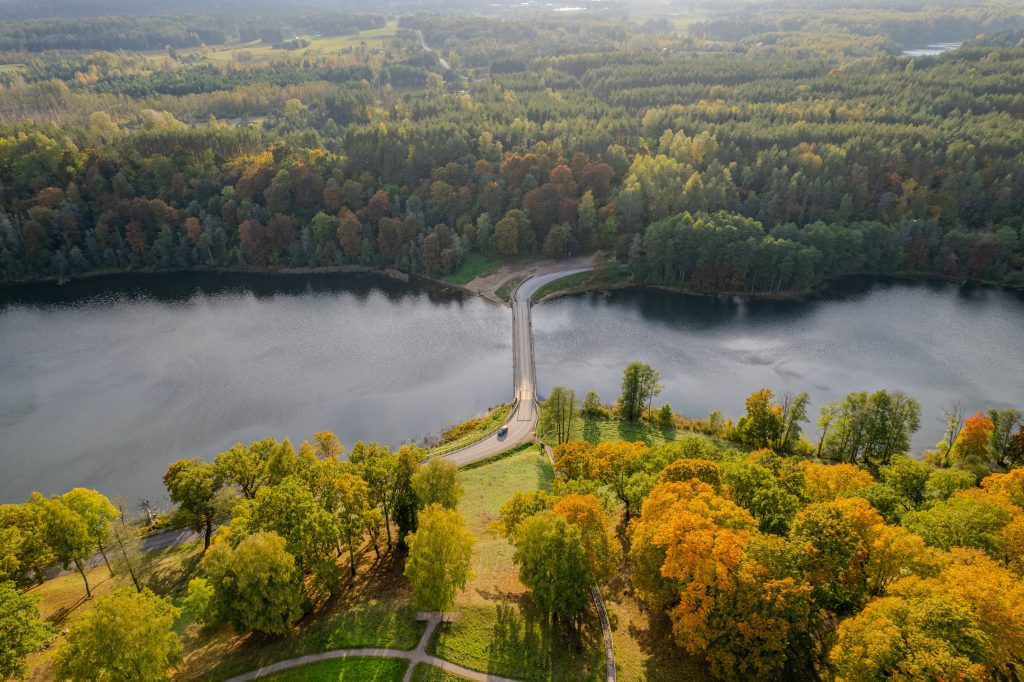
(768, 163)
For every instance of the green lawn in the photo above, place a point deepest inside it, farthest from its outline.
(598, 430)
(348, 669)
(473, 266)
(511, 639)
(389, 623)
(428, 673)
(496, 628)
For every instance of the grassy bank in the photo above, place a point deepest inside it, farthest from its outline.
(468, 432)
(473, 266)
(582, 282)
(504, 292)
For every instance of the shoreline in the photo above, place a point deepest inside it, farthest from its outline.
(791, 296)
(512, 269)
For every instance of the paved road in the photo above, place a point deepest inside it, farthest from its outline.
(522, 423)
(415, 657)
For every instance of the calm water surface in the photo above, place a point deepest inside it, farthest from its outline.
(105, 381)
(938, 343)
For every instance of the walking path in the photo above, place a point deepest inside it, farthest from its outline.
(415, 657)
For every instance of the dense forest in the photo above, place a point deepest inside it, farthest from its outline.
(765, 166)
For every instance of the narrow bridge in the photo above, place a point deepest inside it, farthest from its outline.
(522, 423)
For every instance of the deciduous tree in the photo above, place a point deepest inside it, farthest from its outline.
(440, 551)
(553, 564)
(22, 632)
(193, 485)
(437, 482)
(127, 636)
(256, 586)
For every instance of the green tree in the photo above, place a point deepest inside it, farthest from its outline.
(909, 478)
(639, 387)
(666, 417)
(21, 630)
(592, 406)
(256, 586)
(193, 485)
(127, 637)
(942, 483)
(438, 566)
(553, 564)
(558, 412)
(96, 510)
(67, 534)
(246, 466)
(23, 546)
(380, 470)
(869, 428)
(1004, 422)
(292, 512)
(405, 501)
(437, 482)
(353, 505)
(762, 425)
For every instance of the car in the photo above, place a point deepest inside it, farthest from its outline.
(502, 432)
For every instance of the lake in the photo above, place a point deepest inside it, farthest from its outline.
(107, 380)
(936, 342)
(931, 50)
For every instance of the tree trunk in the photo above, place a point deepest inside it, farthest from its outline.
(81, 571)
(387, 526)
(105, 560)
(209, 532)
(352, 561)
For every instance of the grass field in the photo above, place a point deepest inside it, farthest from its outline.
(488, 423)
(496, 629)
(473, 266)
(259, 51)
(347, 670)
(598, 430)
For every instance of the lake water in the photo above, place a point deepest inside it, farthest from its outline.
(106, 381)
(931, 50)
(936, 342)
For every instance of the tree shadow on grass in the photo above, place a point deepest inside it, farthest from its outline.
(664, 660)
(527, 644)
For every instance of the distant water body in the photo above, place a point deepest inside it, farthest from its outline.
(931, 50)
